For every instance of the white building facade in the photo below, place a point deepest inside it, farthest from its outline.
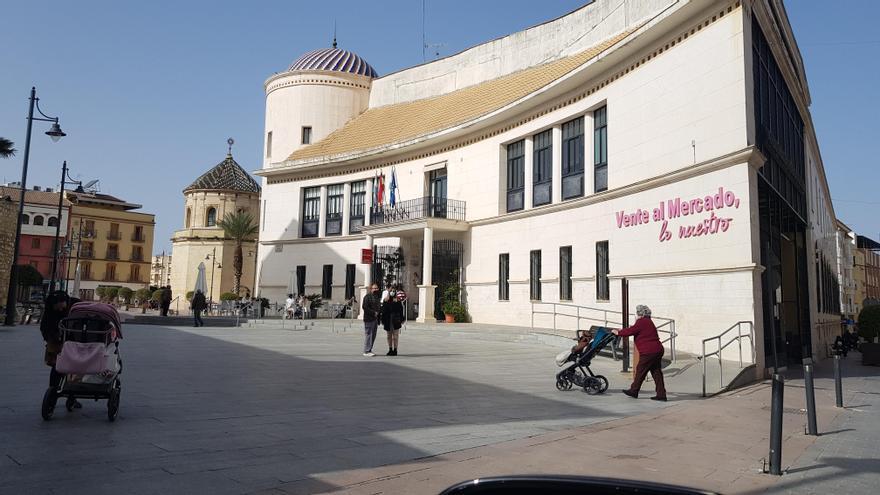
(668, 143)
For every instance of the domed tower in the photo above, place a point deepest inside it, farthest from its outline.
(318, 93)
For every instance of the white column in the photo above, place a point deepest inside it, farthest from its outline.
(369, 277)
(346, 207)
(426, 290)
(322, 213)
(556, 166)
(368, 203)
(589, 176)
(528, 165)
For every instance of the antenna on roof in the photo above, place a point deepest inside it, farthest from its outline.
(424, 43)
(334, 33)
(230, 142)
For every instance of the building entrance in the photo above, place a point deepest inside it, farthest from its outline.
(446, 270)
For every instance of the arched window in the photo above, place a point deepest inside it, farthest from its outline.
(53, 222)
(25, 220)
(188, 217)
(211, 217)
(38, 220)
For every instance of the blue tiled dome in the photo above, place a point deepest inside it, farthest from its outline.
(334, 59)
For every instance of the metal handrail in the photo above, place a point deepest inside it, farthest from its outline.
(666, 327)
(738, 339)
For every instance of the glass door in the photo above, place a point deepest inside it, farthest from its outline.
(437, 181)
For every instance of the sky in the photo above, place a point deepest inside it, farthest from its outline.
(148, 92)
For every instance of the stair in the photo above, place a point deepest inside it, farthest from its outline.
(183, 321)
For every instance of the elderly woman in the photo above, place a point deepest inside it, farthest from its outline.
(650, 353)
(56, 308)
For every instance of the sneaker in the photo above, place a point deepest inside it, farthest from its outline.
(661, 399)
(368, 354)
(629, 393)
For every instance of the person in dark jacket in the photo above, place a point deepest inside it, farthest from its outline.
(165, 300)
(372, 307)
(650, 353)
(56, 309)
(392, 320)
(198, 305)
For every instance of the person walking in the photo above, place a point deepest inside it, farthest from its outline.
(372, 307)
(57, 307)
(392, 320)
(165, 300)
(650, 353)
(199, 303)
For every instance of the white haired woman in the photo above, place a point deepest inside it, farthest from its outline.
(650, 353)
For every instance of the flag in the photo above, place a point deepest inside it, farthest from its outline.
(375, 192)
(381, 192)
(393, 187)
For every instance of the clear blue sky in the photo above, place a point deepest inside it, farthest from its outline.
(149, 91)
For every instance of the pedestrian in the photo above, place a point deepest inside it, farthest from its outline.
(57, 307)
(289, 306)
(372, 307)
(650, 353)
(165, 300)
(392, 320)
(198, 305)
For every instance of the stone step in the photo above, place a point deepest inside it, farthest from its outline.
(183, 321)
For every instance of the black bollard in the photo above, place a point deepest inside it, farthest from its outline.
(776, 425)
(838, 386)
(812, 429)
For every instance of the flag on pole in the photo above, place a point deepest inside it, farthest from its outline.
(375, 191)
(393, 187)
(381, 191)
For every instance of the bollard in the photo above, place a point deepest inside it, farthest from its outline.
(776, 425)
(838, 386)
(812, 429)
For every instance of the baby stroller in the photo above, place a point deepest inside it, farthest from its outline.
(89, 358)
(577, 362)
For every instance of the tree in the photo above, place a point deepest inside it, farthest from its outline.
(869, 323)
(239, 227)
(125, 294)
(6, 148)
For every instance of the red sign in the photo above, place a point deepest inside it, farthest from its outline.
(366, 256)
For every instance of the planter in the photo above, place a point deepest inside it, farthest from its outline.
(870, 354)
(450, 318)
(313, 313)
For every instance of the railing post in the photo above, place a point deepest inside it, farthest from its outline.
(739, 342)
(704, 368)
(533, 316)
(776, 424)
(812, 429)
(673, 340)
(554, 317)
(720, 365)
(838, 386)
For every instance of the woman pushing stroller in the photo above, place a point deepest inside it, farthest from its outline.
(650, 353)
(56, 309)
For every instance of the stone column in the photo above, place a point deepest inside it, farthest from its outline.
(346, 208)
(426, 290)
(528, 166)
(322, 213)
(368, 203)
(556, 166)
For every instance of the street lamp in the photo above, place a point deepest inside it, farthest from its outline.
(55, 133)
(214, 264)
(65, 179)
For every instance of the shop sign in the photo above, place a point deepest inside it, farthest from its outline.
(366, 256)
(712, 205)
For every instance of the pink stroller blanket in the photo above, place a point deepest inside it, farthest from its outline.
(82, 359)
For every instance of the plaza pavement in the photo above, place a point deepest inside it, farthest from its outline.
(265, 410)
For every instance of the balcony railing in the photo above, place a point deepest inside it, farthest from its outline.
(137, 257)
(112, 256)
(136, 237)
(89, 234)
(114, 236)
(86, 254)
(414, 209)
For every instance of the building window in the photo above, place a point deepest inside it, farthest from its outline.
(542, 168)
(35, 243)
(311, 211)
(516, 175)
(110, 274)
(504, 277)
(113, 235)
(112, 251)
(188, 217)
(138, 235)
(349, 281)
(211, 217)
(38, 220)
(600, 148)
(535, 275)
(135, 275)
(89, 231)
(300, 279)
(53, 222)
(327, 283)
(25, 219)
(85, 270)
(87, 250)
(306, 134)
(573, 159)
(603, 284)
(137, 253)
(565, 273)
(358, 206)
(269, 144)
(335, 199)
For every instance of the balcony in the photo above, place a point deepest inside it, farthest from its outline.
(89, 234)
(110, 278)
(138, 237)
(114, 236)
(112, 255)
(419, 209)
(137, 257)
(86, 253)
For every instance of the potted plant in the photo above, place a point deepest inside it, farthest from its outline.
(451, 304)
(315, 302)
(869, 329)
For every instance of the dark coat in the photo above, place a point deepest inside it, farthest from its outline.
(199, 303)
(51, 318)
(372, 307)
(166, 296)
(392, 315)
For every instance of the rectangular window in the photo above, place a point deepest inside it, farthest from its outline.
(113, 235)
(600, 148)
(307, 135)
(603, 285)
(573, 158)
(137, 253)
(349, 281)
(112, 251)
(89, 230)
(327, 283)
(335, 198)
(516, 175)
(135, 275)
(138, 235)
(269, 144)
(110, 273)
(504, 277)
(535, 275)
(565, 273)
(542, 168)
(300, 279)
(85, 269)
(311, 211)
(357, 206)
(35, 243)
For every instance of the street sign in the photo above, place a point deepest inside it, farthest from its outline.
(366, 256)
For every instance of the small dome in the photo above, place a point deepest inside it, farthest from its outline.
(225, 176)
(334, 60)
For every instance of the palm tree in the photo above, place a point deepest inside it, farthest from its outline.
(6, 148)
(239, 227)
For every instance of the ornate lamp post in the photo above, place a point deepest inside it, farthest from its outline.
(55, 133)
(214, 264)
(65, 179)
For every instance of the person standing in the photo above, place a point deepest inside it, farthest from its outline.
(165, 300)
(199, 303)
(57, 307)
(392, 320)
(372, 307)
(650, 353)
